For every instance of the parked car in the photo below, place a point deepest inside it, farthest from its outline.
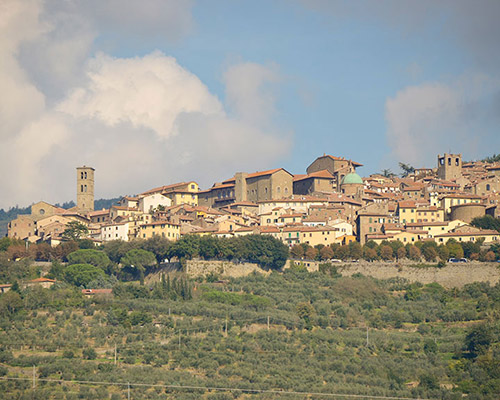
(458, 260)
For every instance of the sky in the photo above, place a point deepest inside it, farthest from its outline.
(161, 91)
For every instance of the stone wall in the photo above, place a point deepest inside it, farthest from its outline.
(453, 275)
(195, 268)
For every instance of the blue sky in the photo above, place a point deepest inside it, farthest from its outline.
(174, 90)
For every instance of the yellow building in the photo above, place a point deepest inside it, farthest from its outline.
(313, 236)
(446, 201)
(435, 228)
(489, 236)
(165, 229)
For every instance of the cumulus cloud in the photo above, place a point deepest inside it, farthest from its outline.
(148, 92)
(434, 117)
(141, 122)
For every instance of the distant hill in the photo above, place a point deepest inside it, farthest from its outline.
(13, 212)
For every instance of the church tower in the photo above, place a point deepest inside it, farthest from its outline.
(449, 166)
(85, 189)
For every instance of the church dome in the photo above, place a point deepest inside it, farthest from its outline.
(352, 178)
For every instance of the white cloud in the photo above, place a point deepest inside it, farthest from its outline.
(248, 91)
(148, 92)
(141, 122)
(432, 118)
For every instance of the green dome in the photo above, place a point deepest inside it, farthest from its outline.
(352, 178)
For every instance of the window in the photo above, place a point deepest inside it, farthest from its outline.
(192, 186)
(81, 188)
(81, 175)
(488, 186)
(85, 175)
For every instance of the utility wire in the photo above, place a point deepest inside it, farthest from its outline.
(208, 388)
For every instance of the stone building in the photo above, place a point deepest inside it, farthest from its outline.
(85, 189)
(255, 187)
(337, 166)
(449, 166)
(316, 182)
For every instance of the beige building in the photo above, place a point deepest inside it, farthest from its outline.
(43, 209)
(99, 217)
(85, 189)
(298, 204)
(433, 229)
(466, 234)
(21, 227)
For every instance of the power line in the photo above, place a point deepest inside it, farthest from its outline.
(220, 389)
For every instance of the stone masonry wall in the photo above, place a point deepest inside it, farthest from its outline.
(453, 275)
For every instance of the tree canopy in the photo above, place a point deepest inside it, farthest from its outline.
(75, 230)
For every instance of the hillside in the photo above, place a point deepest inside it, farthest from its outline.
(256, 336)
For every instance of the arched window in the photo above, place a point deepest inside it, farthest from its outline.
(488, 187)
(81, 188)
(81, 175)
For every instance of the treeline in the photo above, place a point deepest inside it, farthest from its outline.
(394, 250)
(486, 222)
(492, 159)
(103, 266)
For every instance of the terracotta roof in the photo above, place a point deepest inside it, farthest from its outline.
(222, 186)
(268, 229)
(341, 159)
(160, 223)
(324, 173)
(41, 280)
(264, 173)
(244, 203)
(124, 208)
(461, 196)
(435, 223)
(482, 232)
(407, 204)
(100, 212)
(295, 199)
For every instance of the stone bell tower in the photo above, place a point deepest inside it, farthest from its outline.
(85, 189)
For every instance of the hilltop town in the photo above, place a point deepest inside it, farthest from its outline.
(329, 204)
